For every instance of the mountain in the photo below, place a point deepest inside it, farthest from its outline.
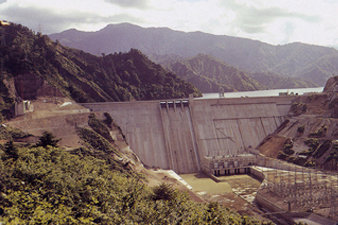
(209, 74)
(274, 81)
(311, 62)
(34, 65)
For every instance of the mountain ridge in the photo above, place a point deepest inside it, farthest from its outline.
(291, 60)
(34, 65)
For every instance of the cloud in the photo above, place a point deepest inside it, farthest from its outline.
(274, 22)
(289, 31)
(130, 3)
(52, 21)
(254, 20)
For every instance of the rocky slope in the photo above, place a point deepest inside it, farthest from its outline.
(309, 136)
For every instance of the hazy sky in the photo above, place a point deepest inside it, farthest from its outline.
(271, 21)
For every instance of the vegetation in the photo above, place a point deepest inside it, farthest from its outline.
(322, 148)
(281, 155)
(298, 108)
(301, 129)
(46, 139)
(274, 81)
(51, 186)
(312, 143)
(12, 133)
(321, 132)
(30, 59)
(334, 152)
(100, 126)
(287, 148)
(209, 74)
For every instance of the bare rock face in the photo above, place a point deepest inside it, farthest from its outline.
(331, 84)
(48, 90)
(29, 86)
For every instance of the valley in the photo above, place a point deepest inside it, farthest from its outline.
(117, 138)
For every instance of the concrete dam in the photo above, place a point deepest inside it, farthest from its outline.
(177, 134)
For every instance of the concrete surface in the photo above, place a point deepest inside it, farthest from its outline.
(172, 135)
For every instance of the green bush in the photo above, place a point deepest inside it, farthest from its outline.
(46, 139)
(52, 186)
(282, 155)
(287, 148)
(164, 192)
(301, 129)
(99, 126)
(312, 143)
(321, 132)
(298, 108)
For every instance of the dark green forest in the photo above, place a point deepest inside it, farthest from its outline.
(31, 60)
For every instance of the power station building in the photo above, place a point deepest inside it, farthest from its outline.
(228, 164)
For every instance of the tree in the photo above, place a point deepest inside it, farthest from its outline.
(47, 138)
(11, 151)
(164, 192)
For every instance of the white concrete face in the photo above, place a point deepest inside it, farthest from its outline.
(177, 137)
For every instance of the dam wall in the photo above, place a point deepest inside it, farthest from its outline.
(176, 134)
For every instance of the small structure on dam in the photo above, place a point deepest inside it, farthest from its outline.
(228, 164)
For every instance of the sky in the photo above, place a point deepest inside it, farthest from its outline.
(271, 21)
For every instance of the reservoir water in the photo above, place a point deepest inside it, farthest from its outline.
(262, 93)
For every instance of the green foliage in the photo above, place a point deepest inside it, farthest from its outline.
(334, 152)
(9, 133)
(298, 108)
(282, 155)
(310, 163)
(46, 139)
(312, 143)
(322, 148)
(164, 192)
(52, 186)
(96, 141)
(100, 126)
(100, 148)
(11, 152)
(287, 148)
(108, 121)
(301, 129)
(82, 76)
(274, 81)
(209, 74)
(321, 132)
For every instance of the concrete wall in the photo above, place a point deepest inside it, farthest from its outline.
(172, 135)
(142, 125)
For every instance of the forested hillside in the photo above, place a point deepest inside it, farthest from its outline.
(210, 75)
(34, 65)
(274, 81)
